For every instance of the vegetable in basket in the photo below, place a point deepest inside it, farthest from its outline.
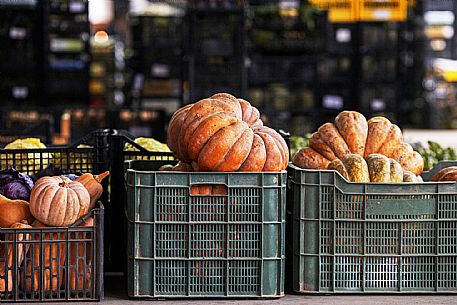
(28, 163)
(15, 185)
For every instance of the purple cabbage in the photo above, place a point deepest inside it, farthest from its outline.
(15, 185)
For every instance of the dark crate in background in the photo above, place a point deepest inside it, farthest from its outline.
(216, 50)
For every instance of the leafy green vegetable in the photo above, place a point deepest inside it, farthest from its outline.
(297, 143)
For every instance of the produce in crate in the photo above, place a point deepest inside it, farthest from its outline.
(27, 162)
(446, 174)
(81, 257)
(8, 254)
(15, 185)
(93, 185)
(223, 133)
(353, 134)
(13, 211)
(58, 201)
(52, 253)
(149, 144)
(375, 168)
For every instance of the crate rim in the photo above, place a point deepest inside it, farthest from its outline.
(129, 169)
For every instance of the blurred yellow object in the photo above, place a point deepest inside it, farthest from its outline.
(29, 163)
(343, 11)
(450, 76)
(364, 10)
(148, 143)
(383, 10)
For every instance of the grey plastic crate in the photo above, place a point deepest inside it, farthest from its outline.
(372, 237)
(185, 245)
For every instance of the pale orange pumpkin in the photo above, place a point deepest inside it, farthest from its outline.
(58, 201)
(93, 185)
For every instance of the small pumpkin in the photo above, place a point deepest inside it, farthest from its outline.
(376, 168)
(50, 252)
(6, 254)
(81, 258)
(93, 185)
(13, 211)
(58, 201)
(446, 174)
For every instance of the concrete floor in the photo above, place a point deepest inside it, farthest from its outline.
(115, 294)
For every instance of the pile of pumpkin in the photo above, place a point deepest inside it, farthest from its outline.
(52, 201)
(365, 151)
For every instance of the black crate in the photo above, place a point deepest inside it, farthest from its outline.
(70, 159)
(92, 158)
(73, 273)
(116, 234)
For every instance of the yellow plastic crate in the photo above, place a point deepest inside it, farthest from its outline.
(383, 10)
(339, 11)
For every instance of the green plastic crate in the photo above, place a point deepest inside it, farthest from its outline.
(372, 237)
(217, 246)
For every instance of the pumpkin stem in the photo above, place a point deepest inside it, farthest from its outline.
(63, 184)
(100, 177)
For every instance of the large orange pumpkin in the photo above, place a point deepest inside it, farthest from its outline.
(223, 133)
(58, 201)
(351, 133)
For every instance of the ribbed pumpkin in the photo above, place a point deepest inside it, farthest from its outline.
(376, 168)
(410, 177)
(93, 185)
(7, 256)
(446, 174)
(58, 201)
(13, 211)
(52, 254)
(223, 133)
(352, 134)
(81, 258)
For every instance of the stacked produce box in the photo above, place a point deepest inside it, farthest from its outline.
(66, 51)
(216, 48)
(281, 78)
(19, 36)
(157, 62)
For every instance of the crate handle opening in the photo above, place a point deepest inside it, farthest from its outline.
(208, 189)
